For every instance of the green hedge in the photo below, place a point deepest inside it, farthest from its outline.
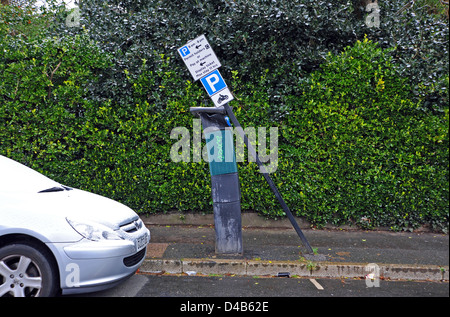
(356, 145)
(363, 150)
(291, 38)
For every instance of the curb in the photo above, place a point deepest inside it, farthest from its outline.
(300, 269)
(309, 268)
(249, 220)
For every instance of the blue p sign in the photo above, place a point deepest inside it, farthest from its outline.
(213, 83)
(184, 51)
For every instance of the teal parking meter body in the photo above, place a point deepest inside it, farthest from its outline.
(225, 188)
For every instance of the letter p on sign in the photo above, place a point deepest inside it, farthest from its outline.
(213, 83)
(184, 51)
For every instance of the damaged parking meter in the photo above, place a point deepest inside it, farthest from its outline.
(203, 65)
(225, 188)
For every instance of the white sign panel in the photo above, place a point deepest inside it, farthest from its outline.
(222, 97)
(199, 57)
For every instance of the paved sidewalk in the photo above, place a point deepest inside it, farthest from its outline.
(277, 250)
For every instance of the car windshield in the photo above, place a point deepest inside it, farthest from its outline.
(15, 177)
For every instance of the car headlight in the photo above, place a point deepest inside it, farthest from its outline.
(94, 231)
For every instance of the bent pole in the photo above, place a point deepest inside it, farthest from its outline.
(267, 177)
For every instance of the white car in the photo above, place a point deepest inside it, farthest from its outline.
(56, 239)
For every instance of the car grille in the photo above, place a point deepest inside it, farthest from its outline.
(132, 226)
(135, 258)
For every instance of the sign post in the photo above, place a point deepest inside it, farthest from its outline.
(203, 64)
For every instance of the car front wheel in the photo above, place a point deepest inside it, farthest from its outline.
(26, 270)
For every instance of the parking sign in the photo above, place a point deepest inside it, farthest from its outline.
(213, 83)
(199, 57)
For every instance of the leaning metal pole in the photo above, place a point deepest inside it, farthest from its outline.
(269, 180)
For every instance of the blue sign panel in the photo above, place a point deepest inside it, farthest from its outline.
(213, 83)
(184, 51)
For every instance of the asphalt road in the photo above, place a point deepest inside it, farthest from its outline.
(226, 287)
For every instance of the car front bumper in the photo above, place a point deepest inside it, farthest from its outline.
(88, 266)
